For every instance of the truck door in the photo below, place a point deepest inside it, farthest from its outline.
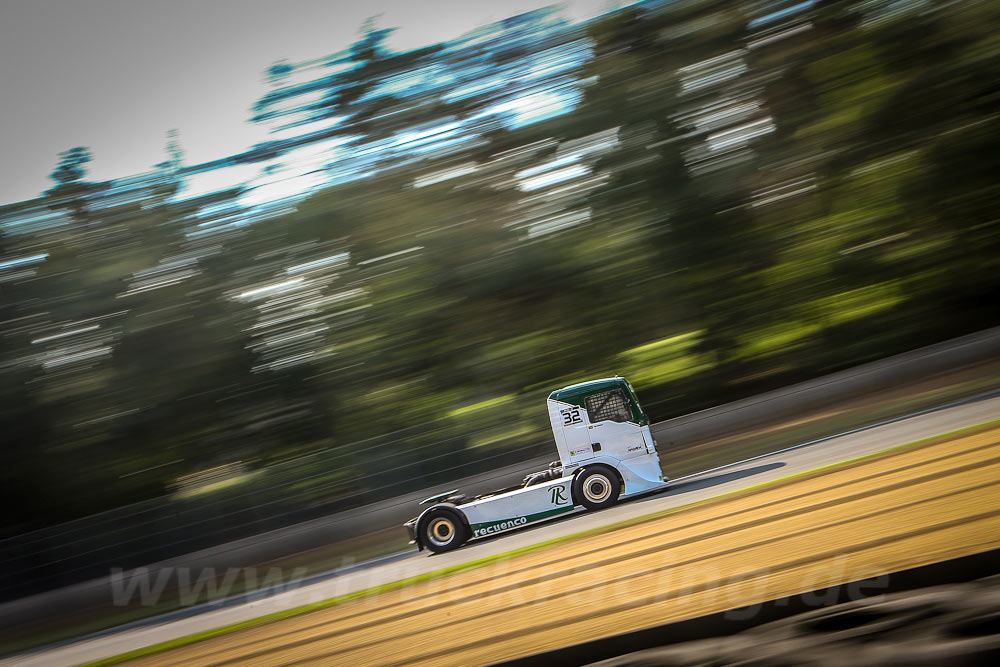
(571, 428)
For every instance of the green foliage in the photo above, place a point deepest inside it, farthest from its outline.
(70, 167)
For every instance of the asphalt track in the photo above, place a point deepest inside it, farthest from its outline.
(915, 506)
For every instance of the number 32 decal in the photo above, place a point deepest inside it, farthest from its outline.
(571, 416)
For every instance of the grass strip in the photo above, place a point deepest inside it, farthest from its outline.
(471, 565)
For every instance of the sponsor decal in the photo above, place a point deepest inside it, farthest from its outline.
(483, 529)
(502, 525)
(559, 495)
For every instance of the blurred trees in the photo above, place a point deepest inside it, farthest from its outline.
(738, 196)
(70, 167)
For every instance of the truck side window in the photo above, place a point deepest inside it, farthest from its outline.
(610, 405)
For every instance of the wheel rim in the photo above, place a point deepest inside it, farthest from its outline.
(597, 488)
(441, 531)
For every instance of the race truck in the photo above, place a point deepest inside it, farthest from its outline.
(606, 452)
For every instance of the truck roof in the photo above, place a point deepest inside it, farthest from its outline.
(566, 394)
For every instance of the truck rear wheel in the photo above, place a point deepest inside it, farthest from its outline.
(441, 529)
(596, 488)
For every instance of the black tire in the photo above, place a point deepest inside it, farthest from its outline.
(441, 529)
(596, 488)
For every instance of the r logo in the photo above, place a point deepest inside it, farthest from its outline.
(557, 495)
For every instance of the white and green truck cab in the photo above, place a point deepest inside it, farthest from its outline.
(606, 452)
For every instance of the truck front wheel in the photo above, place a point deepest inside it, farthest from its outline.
(596, 488)
(441, 530)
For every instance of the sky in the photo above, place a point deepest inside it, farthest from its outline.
(116, 75)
